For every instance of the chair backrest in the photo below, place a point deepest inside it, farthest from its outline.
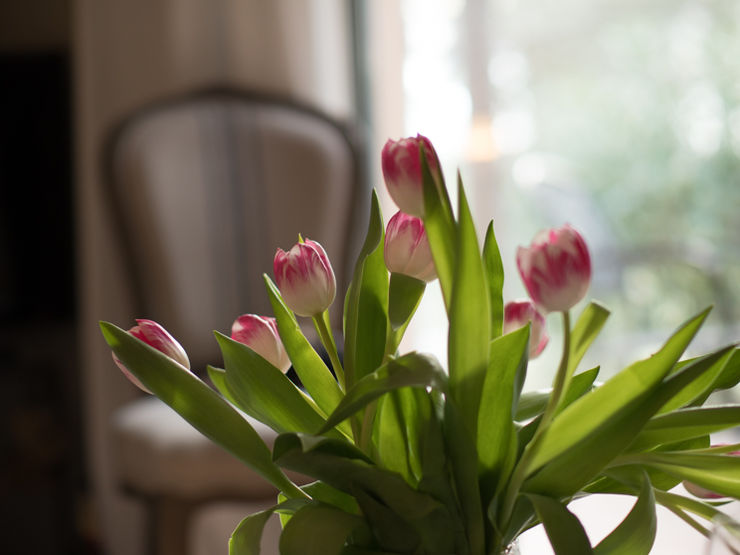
(206, 187)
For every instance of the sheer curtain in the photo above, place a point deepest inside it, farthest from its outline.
(620, 118)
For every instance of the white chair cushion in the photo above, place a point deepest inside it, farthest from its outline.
(159, 453)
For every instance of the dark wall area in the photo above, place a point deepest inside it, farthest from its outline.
(41, 463)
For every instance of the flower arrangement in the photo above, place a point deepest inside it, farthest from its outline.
(411, 457)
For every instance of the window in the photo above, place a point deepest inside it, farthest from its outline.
(621, 117)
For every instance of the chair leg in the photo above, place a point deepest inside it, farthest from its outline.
(168, 525)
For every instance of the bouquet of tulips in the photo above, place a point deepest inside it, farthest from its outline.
(410, 455)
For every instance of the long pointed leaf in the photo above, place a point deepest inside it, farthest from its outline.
(564, 530)
(594, 409)
(246, 537)
(496, 442)
(464, 462)
(495, 279)
(348, 469)
(470, 321)
(366, 306)
(686, 424)
(719, 473)
(439, 222)
(704, 510)
(533, 403)
(574, 468)
(198, 404)
(264, 392)
(404, 295)
(311, 369)
(587, 328)
(318, 529)
(410, 370)
(635, 535)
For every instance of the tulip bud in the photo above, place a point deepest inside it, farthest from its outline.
(555, 268)
(260, 334)
(401, 163)
(155, 336)
(518, 314)
(704, 493)
(305, 278)
(406, 248)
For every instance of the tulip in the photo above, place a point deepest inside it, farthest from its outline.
(518, 314)
(704, 493)
(406, 248)
(305, 278)
(260, 333)
(401, 162)
(155, 336)
(555, 268)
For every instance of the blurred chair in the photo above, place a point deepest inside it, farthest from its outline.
(203, 189)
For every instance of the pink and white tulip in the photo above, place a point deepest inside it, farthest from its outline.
(401, 162)
(703, 493)
(555, 268)
(260, 333)
(305, 278)
(156, 336)
(406, 248)
(518, 314)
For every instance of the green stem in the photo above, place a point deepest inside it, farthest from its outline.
(321, 321)
(323, 327)
(680, 513)
(558, 388)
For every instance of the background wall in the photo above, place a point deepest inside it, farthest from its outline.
(128, 53)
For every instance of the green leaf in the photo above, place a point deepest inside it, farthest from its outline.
(730, 375)
(719, 473)
(439, 223)
(435, 464)
(507, 361)
(573, 469)
(564, 530)
(311, 369)
(635, 535)
(700, 508)
(464, 466)
(198, 404)
(245, 539)
(410, 370)
(495, 278)
(218, 377)
(366, 307)
(616, 477)
(320, 491)
(404, 294)
(391, 531)
(264, 392)
(597, 408)
(587, 328)
(533, 403)
(698, 389)
(685, 424)
(344, 467)
(469, 315)
(401, 415)
(318, 529)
